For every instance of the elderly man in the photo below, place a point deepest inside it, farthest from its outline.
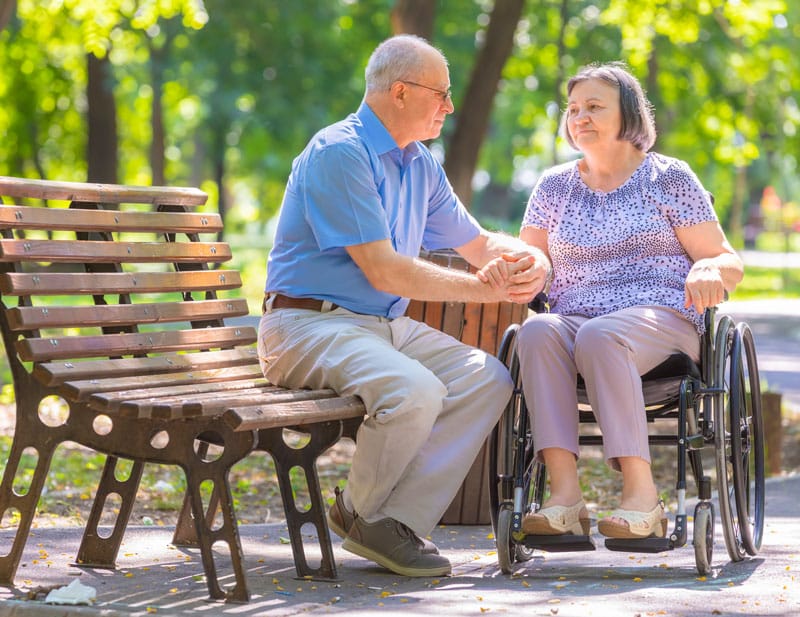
(363, 198)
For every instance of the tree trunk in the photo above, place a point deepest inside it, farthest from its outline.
(414, 17)
(102, 121)
(473, 117)
(560, 77)
(218, 162)
(157, 115)
(7, 8)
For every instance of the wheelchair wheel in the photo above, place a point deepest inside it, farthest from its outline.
(510, 467)
(725, 365)
(501, 440)
(503, 539)
(747, 441)
(703, 538)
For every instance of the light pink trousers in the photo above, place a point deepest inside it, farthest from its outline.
(431, 402)
(610, 353)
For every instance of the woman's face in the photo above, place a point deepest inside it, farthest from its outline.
(593, 114)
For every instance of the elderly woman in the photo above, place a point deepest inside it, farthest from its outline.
(637, 255)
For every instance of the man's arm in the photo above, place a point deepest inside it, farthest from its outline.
(412, 277)
(498, 254)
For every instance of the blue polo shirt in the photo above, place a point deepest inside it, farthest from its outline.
(351, 185)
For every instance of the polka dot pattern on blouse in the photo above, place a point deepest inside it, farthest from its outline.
(617, 249)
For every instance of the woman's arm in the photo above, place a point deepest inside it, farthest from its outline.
(717, 268)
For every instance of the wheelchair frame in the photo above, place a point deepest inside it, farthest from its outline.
(715, 405)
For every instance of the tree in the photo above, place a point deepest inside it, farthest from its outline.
(473, 120)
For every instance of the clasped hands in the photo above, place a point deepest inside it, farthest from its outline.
(516, 277)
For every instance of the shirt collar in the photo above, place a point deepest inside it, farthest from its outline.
(378, 137)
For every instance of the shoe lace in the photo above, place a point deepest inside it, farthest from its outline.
(405, 531)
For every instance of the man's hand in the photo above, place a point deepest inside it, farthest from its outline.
(518, 276)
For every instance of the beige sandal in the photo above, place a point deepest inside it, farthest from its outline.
(636, 524)
(558, 520)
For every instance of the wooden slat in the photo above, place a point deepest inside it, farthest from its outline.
(296, 413)
(90, 251)
(36, 317)
(201, 368)
(62, 348)
(214, 404)
(110, 401)
(49, 283)
(88, 220)
(101, 193)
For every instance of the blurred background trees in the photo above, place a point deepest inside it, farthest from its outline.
(222, 94)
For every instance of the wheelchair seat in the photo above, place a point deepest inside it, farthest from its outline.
(660, 385)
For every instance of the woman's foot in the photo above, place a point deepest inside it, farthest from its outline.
(623, 523)
(557, 520)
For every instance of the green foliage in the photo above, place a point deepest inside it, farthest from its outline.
(244, 84)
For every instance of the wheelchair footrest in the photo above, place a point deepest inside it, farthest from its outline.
(560, 544)
(640, 545)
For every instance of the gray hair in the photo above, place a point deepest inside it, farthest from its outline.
(638, 124)
(397, 58)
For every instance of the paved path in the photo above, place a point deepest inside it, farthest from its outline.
(155, 578)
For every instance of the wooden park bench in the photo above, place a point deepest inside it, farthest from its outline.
(115, 300)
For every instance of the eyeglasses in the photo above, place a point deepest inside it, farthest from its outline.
(445, 95)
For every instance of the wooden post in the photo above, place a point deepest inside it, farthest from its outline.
(773, 431)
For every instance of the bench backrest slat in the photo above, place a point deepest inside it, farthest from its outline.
(50, 283)
(101, 193)
(36, 317)
(52, 348)
(70, 251)
(88, 220)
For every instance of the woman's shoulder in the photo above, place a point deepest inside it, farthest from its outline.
(558, 175)
(664, 167)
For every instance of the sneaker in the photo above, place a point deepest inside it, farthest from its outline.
(340, 520)
(393, 545)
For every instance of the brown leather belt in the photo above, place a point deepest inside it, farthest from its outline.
(280, 301)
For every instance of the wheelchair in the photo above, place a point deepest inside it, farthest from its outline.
(713, 407)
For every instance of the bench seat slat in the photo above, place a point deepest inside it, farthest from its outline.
(109, 401)
(296, 413)
(36, 317)
(212, 404)
(48, 283)
(83, 389)
(92, 251)
(51, 348)
(82, 219)
(53, 374)
(101, 193)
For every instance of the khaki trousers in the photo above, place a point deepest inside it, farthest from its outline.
(611, 353)
(431, 402)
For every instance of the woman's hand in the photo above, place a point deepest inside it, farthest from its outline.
(704, 286)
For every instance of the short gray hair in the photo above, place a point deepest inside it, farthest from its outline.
(396, 59)
(638, 124)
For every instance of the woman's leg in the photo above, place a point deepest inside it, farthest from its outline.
(611, 353)
(549, 380)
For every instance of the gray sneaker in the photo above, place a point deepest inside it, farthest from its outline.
(340, 520)
(393, 545)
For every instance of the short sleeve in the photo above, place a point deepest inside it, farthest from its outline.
(683, 198)
(342, 205)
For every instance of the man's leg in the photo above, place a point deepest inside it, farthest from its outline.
(477, 389)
